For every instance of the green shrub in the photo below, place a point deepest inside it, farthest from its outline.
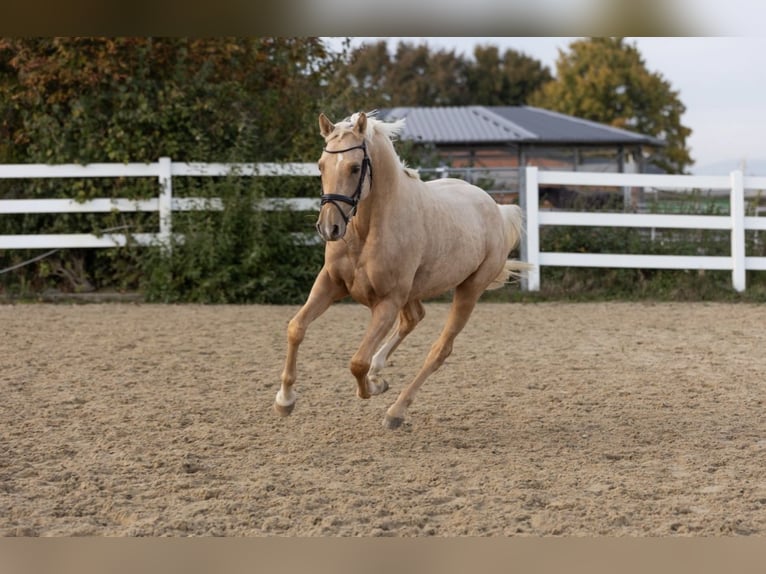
(240, 254)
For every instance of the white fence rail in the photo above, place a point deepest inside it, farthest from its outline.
(164, 170)
(736, 222)
(165, 204)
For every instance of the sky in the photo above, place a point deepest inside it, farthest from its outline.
(720, 80)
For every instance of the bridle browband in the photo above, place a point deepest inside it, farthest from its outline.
(354, 199)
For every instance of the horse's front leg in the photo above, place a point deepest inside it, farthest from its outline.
(323, 294)
(383, 317)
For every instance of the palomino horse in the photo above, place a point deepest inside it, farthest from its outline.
(392, 241)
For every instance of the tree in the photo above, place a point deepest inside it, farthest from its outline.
(134, 99)
(606, 80)
(362, 81)
(413, 75)
(416, 75)
(506, 81)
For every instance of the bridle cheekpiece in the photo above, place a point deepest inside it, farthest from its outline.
(354, 199)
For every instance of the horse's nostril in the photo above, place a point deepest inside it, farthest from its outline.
(335, 231)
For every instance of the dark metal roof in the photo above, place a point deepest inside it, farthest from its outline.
(479, 125)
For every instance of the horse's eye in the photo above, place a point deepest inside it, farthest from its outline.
(355, 168)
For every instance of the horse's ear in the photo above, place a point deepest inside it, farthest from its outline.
(361, 124)
(325, 125)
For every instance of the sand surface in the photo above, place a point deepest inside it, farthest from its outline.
(548, 419)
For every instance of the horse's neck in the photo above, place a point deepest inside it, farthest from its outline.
(384, 194)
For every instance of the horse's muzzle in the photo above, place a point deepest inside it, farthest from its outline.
(331, 231)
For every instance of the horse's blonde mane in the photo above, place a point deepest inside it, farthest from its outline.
(389, 129)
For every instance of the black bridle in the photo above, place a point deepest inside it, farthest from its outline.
(354, 199)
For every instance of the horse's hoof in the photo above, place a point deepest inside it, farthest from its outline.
(377, 386)
(284, 411)
(392, 423)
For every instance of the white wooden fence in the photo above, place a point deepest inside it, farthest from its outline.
(164, 170)
(736, 222)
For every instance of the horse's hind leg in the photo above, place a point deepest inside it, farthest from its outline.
(463, 303)
(323, 294)
(410, 315)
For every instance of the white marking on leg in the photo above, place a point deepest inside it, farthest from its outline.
(286, 400)
(377, 384)
(379, 359)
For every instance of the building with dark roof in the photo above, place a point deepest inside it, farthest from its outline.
(513, 136)
(488, 145)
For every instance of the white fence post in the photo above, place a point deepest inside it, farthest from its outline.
(532, 235)
(166, 202)
(737, 207)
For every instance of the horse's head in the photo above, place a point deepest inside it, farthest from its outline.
(345, 167)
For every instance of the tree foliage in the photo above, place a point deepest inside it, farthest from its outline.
(606, 80)
(507, 80)
(136, 99)
(83, 100)
(416, 75)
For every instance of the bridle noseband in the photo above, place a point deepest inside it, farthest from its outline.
(354, 199)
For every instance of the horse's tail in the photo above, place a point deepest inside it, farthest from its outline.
(513, 229)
